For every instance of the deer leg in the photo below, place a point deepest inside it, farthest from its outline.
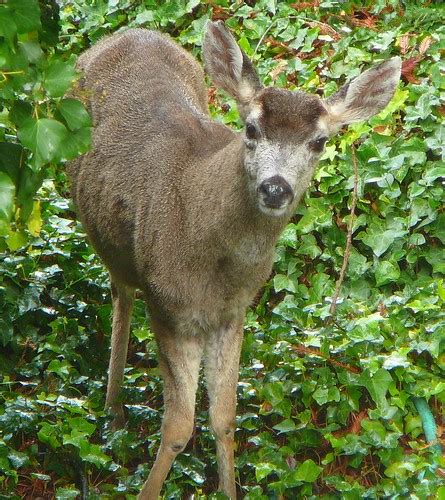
(123, 299)
(179, 361)
(222, 352)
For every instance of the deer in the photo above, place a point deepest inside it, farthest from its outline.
(188, 211)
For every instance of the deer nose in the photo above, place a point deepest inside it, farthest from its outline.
(275, 192)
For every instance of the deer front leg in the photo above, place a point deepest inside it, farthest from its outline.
(179, 361)
(123, 299)
(222, 352)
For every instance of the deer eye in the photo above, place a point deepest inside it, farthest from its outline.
(318, 144)
(251, 131)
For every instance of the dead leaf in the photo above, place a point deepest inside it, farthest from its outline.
(383, 311)
(425, 44)
(211, 93)
(356, 421)
(279, 68)
(404, 44)
(305, 5)
(266, 407)
(218, 13)
(271, 42)
(380, 129)
(291, 462)
(364, 18)
(408, 67)
(324, 29)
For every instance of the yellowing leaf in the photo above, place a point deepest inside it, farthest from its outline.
(16, 240)
(35, 220)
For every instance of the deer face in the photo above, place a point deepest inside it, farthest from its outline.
(286, 131)
(285, 135)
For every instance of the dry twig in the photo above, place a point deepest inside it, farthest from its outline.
(312, 351)
(349, 236)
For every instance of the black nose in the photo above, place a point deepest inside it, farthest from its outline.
(275, 192)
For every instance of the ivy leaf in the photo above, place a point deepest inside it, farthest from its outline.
(379, 240)
(16, 240)
(74, 113)
(81, 425)
(8, 28)
(386, 272)
(44, 137)
(7, 193)
(377, 385)
(273, 392)
(49, 434)
(289, 236)
(59, 76)
(61, 368)
(283, 282)
(92, 453)
(6, 331)
(34, 221)
(309, 246)
(20, 112)
(317, 215)
(26, 14)
(308, 471)
(324, 394)
(79, 142)
(286, 425)
(65, 493)
(262, 470)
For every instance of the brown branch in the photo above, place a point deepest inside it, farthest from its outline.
(349, 236)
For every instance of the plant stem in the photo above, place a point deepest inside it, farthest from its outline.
(349, 236)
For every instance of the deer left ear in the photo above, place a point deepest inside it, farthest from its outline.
(366, 95)
(227, 65)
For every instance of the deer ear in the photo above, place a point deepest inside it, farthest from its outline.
(366, 95)
(227, 65)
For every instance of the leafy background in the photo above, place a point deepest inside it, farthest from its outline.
(327, 401)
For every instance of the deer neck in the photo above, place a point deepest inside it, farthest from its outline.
(234, 220)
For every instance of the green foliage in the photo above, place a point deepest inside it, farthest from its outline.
(38, 126)
(326, 402)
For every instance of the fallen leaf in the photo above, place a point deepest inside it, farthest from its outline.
(424, 45)
(305, 5)
(271, 42)
(279, 68)
(404, 44)
(380, 129)
(356, 421)
(408, 67)
(324, 29)
(363, 18)
(291, 462)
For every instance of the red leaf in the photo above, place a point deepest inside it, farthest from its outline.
(408, 67)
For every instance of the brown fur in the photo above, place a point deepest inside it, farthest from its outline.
(289, 113)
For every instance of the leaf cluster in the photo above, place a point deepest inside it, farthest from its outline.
(326, 402)
(39, 127)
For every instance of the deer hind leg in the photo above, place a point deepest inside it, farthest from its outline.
(222, 352)
(179, 362)
(123, 299)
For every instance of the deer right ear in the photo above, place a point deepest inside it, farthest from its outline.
(227, 65)
(366, 95)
